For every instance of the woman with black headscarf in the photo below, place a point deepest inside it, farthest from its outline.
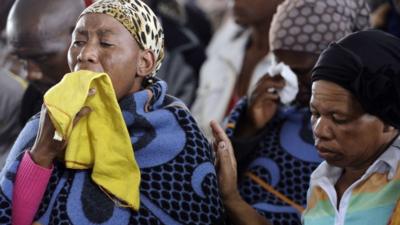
(355, 108)
(355, 119)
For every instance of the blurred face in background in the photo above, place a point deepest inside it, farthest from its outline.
(301, 63)
(252, 12)
(45, 56)
(39, 33)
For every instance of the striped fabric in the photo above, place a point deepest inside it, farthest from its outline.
(395, 220)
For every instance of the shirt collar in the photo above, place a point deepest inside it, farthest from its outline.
(388, 161)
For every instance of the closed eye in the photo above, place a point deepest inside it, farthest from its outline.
(106, 44)
(78, 43)
(339, 120)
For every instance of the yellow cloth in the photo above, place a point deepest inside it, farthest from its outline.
(100, 140)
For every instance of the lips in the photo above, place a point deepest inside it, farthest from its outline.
(90, 68)
(325, 153)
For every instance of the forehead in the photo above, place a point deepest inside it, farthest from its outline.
(96, 21)
(39, 44)
(329, 96)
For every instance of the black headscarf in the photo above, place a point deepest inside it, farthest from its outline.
(367, 63)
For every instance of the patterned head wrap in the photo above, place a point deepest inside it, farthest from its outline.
(139, 20)
(310, 25)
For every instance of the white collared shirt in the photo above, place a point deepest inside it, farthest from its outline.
(326, 176)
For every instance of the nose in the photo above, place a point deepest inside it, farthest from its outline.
(321, 128)
(88, 54)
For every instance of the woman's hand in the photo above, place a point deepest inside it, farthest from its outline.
(239, 211)
(46, 148)
(225, 164)
(263, 104)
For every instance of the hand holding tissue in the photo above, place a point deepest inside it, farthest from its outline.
(288, 93)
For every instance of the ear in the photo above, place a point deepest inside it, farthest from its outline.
(146, 63)
(388, 128)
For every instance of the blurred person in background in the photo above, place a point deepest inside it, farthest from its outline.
(386, 16)
(11, 90)
(187, 33)
(39, 32)
(229, 71)
(216, 10)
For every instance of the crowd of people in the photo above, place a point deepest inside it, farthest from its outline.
(200, 112)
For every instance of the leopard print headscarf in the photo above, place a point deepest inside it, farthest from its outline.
(139, 20)
(310, 25)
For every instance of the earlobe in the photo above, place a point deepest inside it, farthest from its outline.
(388, 128)
(146, 63)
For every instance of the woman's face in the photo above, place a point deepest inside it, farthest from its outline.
(101, 44)
(345, 136)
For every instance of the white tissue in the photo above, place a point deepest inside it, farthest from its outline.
(288, 93)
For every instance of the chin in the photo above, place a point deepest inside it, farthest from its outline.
(336, 163)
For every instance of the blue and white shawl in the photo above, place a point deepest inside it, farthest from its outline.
(178, 186)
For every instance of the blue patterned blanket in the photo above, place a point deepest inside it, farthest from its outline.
(284, 156)
(179, 184)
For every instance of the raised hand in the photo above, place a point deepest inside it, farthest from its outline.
(239, 211)
(46, 147)
(262, 106)
(225, 163)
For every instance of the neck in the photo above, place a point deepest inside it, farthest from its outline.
(357, 171)
(260, 37)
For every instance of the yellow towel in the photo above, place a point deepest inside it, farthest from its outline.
(100, 140)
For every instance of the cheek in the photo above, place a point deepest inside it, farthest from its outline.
(356, 141)
(349, 139)
(121, 71)
(72, 57)
(119, 64)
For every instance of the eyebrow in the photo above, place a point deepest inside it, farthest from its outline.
(329, 111)
(82, 31)
(100, 32)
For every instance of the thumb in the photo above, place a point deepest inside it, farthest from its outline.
(83, 112)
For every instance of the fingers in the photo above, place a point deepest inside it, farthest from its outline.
(276, 82)
(258, 97)
(224, 149)
(226, 157)
(92, 91)
(83, 112)
(42, 118)
(218, 133)
(86, 109)
(267, 87)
